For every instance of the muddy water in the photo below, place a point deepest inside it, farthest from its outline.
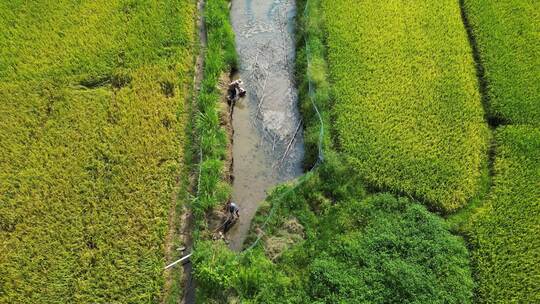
(268, 145)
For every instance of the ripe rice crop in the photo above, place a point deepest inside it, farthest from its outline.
(508, 37)
(92, 116)
(407, 108)
(504, 233)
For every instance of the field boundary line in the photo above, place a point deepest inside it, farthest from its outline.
(483, 90)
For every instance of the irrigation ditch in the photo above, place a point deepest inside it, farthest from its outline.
(264, 129)
(267, 140)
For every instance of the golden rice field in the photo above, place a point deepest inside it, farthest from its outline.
(407, 106)
(92, 114)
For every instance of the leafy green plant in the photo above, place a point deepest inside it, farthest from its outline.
(216, 266)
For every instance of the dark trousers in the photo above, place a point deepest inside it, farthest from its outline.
(231, 220)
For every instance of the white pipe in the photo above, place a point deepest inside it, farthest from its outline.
(178, 261)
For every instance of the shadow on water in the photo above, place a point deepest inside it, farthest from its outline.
(268, 145)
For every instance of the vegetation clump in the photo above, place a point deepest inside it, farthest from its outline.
(220, 57)
(355, 249)
(314, 90)
(407, 108)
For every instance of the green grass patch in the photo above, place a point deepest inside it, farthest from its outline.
(329, 243)
(407, 105)
(507, 36)
(220, 57)
(311, 72)
(504, 233)
(92, 108)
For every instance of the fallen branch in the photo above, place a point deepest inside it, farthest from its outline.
(290, 142)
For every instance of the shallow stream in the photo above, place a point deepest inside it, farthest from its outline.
(267, 143)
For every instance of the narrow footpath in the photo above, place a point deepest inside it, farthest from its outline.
(189, 282)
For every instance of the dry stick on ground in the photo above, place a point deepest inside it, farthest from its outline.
(282, 27)
(290, 143)
(269, 134)
(254, 67)
(256, 61)
(257, 69)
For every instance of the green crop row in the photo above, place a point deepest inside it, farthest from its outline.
(407, 105)
(504, 233)
(508, 36)
(212, 188)
(92, 147)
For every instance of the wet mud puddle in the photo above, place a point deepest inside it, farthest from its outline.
(268, 145)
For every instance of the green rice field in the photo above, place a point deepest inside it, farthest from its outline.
(422, 153)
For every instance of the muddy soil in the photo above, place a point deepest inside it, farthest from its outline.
(268, 145)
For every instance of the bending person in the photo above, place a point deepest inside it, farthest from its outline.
(233, 214)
